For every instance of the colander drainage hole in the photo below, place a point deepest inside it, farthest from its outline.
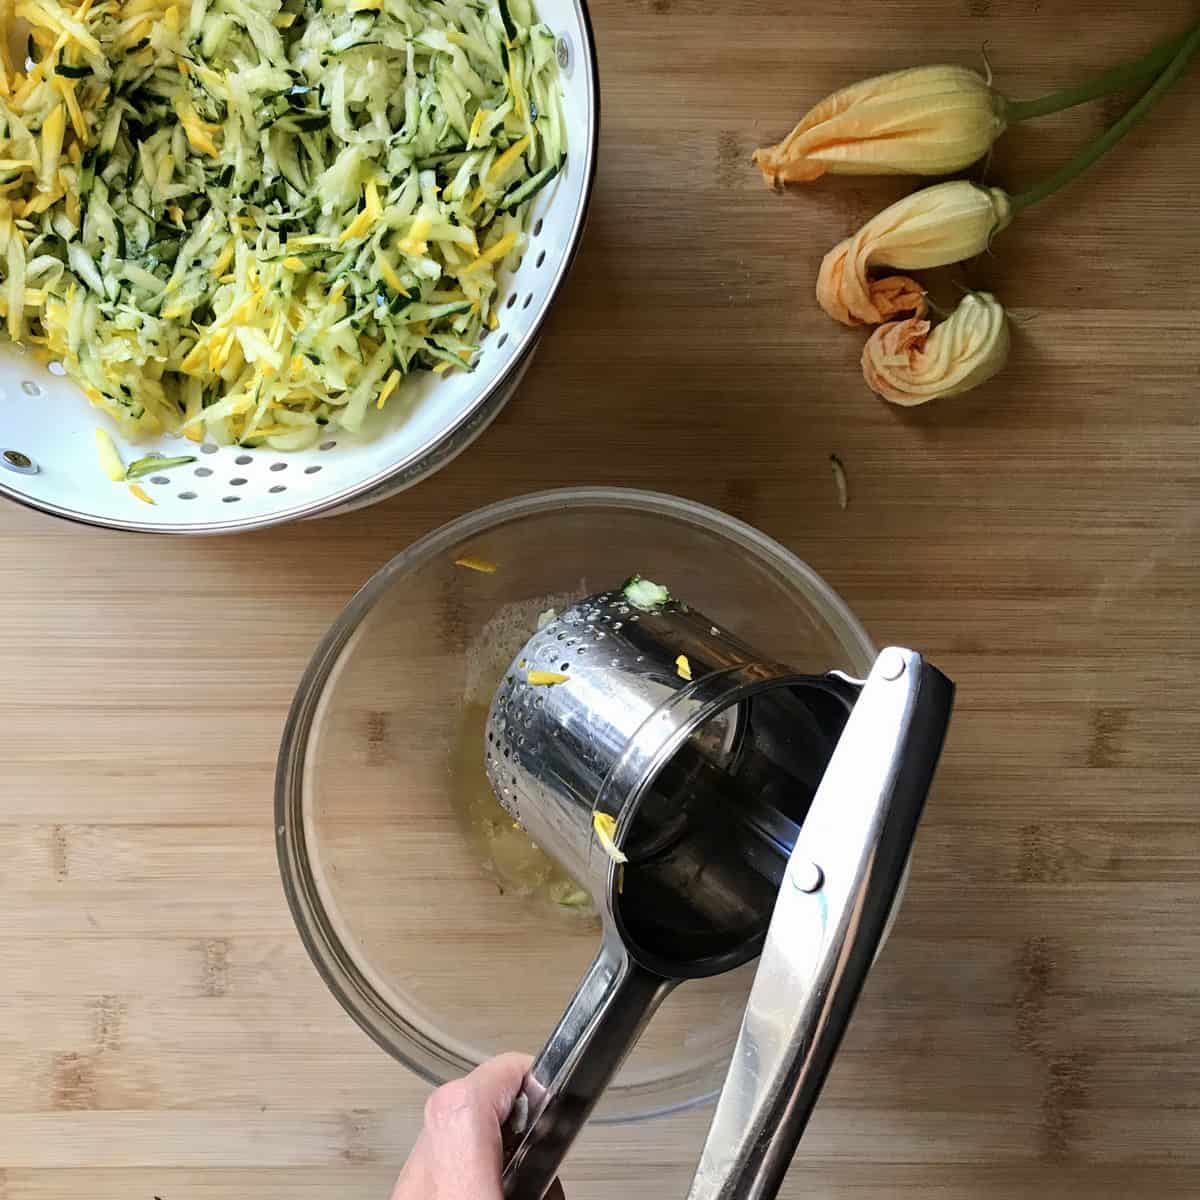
(208, 448)
(159, 479)
(243, 460)
(14, 460)
(204, 472)
(327, 445)
(537, 227)
(541, 258)
(278, 466)
(230, 499)
(511, 300)
(503, 339)
(311, 470)
(56, 368)
(528, 300)
(187, 495)
(565, 667)
(277, 489)
(30, 388)
(236, 481)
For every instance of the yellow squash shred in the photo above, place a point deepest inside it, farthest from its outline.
(605, 828)
(483, 565)
(546, 678)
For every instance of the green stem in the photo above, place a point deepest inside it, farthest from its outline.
(1111, 136)
(1115, 80)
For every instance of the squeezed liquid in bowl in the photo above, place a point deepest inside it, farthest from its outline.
(508, 855)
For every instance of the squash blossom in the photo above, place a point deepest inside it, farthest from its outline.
(936, 226)
(923, 121)
(910, 363)
(931, 120)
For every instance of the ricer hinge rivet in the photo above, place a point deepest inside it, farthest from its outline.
(807, 876)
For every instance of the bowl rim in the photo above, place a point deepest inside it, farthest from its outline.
(456, 437)
(317, 931)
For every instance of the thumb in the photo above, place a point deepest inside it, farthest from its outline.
(497, 1083)
(462, 1138)
(500, 1080)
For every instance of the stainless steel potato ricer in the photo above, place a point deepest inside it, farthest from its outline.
(718, 806)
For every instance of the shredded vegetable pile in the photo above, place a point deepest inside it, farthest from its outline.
(244, 220)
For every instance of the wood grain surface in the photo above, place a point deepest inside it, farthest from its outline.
(1032, 1029)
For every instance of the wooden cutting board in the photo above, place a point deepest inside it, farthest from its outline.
(1031, 1030)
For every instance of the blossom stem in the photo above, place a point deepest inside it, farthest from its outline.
(1115, 80)
(1111, 136)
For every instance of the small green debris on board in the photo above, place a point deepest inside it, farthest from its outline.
(839, 481)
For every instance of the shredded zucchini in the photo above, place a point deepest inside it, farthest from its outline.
(644, 593)
(247, 220)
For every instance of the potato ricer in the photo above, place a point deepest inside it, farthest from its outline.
(718, 806)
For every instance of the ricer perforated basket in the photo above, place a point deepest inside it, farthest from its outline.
(47, 427)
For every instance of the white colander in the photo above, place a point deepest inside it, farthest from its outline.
(47, 427)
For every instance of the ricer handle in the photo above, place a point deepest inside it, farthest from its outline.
(829, 918)
(606, 1016)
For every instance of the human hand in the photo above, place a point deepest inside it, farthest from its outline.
(458, 1155)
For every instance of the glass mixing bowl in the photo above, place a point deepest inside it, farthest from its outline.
(425, 910)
